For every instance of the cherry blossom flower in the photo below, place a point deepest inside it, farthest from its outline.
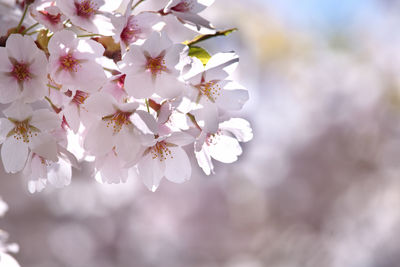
(223, 145)
(187, 11)
(211, 90)
(72, 62)
(88, 15)
(40, 170)
(111, 128)
(111, 168)
(24, 130)
(22, 70)
(164, 157)
(131, 28)
(152, 68)
(49, 15)
(116, 87)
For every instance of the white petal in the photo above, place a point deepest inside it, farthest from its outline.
(98, 140)
(240, 128)
(177, 167)
(59, 173)
(180, 139)
(18, 111)
(21, 48)
(9, 89)
(5, 127)
(151, 171)
(45, 146)
(45, 120)
(100, 104)
(204, 161)
(14, 154)
(232, 99)
(139, 85)
(226, 149)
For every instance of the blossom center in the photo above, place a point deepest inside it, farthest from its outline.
(161, 151)
(21, 72)
(85, 9)
(184, 6)
(130, 32)
(118, 120)
(53, 19)
(210, 89)
(69, 63)
(79, 97)
(23, 130)
(157, 64)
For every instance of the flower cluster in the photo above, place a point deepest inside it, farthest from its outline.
(6, 260)
(99, 82)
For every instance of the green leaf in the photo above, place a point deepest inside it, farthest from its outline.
(204, 37)
(200, 53)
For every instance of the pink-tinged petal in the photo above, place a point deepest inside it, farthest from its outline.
(171, 4)
(37, 168)
(100, 104)
(45, 146)
(21, 48)
(128, 107)
(14, 155)
(204, 161)
(45, 120)
(127, 145)
(225, 149)
(168, 86)
(18, 111)
(216, 73)
(9, 89)
(139, 85)
(90, 77)
(59, 173)
(36, 186)
(5, 127)
(180, 139)
(71, 115)
(208, 115)
(134, 60)
(151, 171)
(195, 19)
(146, 123)
(34, 89)
(227, 61)
(173, 55)
(195, 73)
(240, 128)
(110, 169)
(62, 40)
(156, 43)
(5, 64)
(98, 140)
(89, 48)
(177, 167)
(165, 112)
(232, 99)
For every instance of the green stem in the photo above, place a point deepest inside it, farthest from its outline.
(147, 105)
(90, 35)
(138, 3)
(30, 28)
(54, 87)
(22, 19)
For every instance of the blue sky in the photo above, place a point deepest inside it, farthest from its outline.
(321, 13)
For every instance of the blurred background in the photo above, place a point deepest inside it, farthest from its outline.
(318, 186)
